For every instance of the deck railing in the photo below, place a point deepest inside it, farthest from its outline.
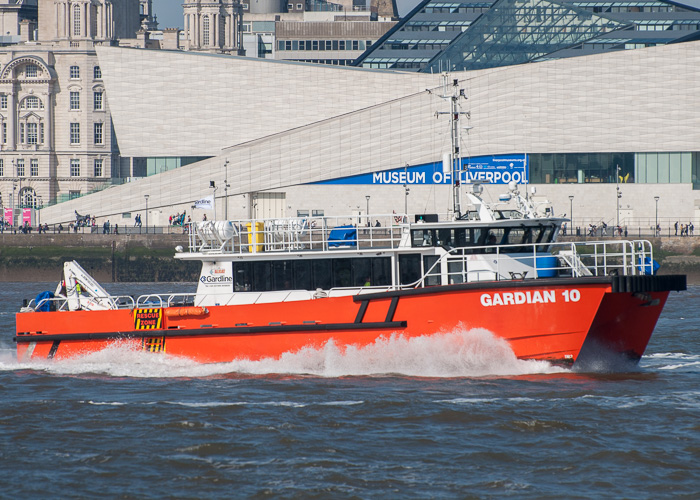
(289, 235)
(460, 265)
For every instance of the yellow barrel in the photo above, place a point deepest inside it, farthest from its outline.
(256, 238)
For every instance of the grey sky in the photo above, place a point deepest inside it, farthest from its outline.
(169, 12)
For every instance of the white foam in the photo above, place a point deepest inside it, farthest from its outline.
(459, 353)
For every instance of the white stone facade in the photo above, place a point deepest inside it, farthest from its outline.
(287, 125)
(56, 138)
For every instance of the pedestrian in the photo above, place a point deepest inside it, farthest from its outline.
(676, 227)
(116, 229)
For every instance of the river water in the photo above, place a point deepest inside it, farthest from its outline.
(452, 417)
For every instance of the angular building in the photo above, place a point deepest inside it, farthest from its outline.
(581, 130)
(438, 36)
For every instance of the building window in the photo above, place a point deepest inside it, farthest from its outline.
(205, 31)
(31, 102)
(290, 6)
(75, 133)
(76, 20)
(3, 101)
(73, 194)
(21, 133)
(97, 101)
(98, 133)
(32, 135)
(4, 133)
(97, 73)
(98, 168)
(34, 167)
(2, 167)
(75, 168)
(74, 100)
(31, 71)
(41, 133)
(299, 6)
(75, 72)
(20, 167)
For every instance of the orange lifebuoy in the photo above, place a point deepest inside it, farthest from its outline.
(178, 312)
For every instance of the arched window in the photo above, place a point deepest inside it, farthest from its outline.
(31, 102)
(205, 31)
(27, 197)
(76, 20)
(222, 31)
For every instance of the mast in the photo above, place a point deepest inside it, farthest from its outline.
(455, 157)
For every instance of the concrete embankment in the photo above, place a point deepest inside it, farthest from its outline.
(108, 258)
(149, 258)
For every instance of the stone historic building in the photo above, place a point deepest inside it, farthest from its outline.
(213, 26)
(56, 139)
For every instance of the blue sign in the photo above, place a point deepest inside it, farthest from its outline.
(493, 169)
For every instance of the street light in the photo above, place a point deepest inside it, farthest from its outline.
(571, 211)
(226, 186)
(367, 198)
(41, 205)
(14, 200)
(656, 231)
(212, 185)
(146, 196)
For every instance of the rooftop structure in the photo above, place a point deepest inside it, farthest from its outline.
(438, 36)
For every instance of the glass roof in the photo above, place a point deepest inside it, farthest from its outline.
(518, 31)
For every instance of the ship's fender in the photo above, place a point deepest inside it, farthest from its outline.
(180, 312)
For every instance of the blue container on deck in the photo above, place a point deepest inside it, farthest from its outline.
(546, 265)
(649, 266)
(343, 236)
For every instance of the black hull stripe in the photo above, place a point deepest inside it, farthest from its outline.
(619, 284)
(244, 330)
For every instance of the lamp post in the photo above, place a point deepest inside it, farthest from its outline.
(367, 198)
(656, 231)
(212, 185)
(619, 194)
(226, 186)
(146, 196)
(14, 201)
(571, 212)
(41, 205)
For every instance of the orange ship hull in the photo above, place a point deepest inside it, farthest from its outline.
(553, 320)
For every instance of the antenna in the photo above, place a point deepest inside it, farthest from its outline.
(455, 157)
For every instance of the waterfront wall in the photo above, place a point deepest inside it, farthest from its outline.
(108, 258)
(149, 258)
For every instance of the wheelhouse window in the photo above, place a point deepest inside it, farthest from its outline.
(409, 268)
(312, 274)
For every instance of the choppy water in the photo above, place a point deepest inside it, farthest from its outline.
(455, 417)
